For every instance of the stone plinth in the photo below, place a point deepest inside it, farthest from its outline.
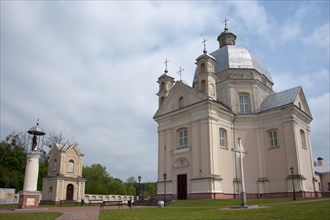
(29, 199)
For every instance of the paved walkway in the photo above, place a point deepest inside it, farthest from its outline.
(69, 213)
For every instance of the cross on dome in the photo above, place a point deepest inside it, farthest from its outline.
(204, 42)
(225, 21)
(166, 61)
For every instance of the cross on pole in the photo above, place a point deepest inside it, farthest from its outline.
(240, 153)
(204, 41)
(180, 72)
(166, 61)
(225, 21)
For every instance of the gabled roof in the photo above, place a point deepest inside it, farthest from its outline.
(195, 96)
(179, 85)
(66, 147)
(280, 99)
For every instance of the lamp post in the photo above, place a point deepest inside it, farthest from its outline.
(139, 187)
(293, 188)
(165, 175)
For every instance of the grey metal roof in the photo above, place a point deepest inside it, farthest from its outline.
(36, 130)
(205, 55)
(236, 57)
(322, 169)
(279, 99)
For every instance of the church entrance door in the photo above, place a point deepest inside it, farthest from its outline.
(182, 186)
(69, 192)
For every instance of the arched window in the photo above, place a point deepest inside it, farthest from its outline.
(244, 103)
(183, 138)
(71, 166)
(203, 86)
(181, 162)
(162, 86)
(55, 165)
(162, 100)
(303, 139)
(223, 138)
(273, 138)
(202, 67)
(181, 102)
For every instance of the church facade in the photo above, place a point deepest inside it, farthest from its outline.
(64, 179)
(232, 97)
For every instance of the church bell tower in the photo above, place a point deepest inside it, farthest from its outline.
(206, 76)
(165, 85)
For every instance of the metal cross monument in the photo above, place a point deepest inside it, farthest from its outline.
(180, 72)
(240, 154)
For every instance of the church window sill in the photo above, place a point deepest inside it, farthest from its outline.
(181, 150)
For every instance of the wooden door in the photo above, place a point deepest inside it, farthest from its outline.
(69, 192)
(182, 186)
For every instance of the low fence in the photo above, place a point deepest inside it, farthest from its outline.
(105, 198)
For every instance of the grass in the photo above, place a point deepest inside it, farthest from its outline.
(279, 209)
(209, 209)
(31, 216)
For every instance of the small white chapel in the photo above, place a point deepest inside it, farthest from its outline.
(232, 97)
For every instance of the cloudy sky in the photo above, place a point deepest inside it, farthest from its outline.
(89, 69)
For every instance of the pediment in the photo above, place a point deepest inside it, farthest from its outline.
(181, 95)
(68, 149)
(301, 103)
(294, 96)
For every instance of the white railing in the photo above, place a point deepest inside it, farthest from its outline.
(123, 198)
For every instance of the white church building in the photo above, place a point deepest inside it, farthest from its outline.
(232, 97)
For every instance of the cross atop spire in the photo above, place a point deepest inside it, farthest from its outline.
(204, 42)
(180, 72)
(225, 21)
(166, 61)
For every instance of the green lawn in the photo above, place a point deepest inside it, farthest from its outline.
(31, 216)
(209, 210)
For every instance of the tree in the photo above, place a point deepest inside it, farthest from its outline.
(131, 186)
(12, 165)
(116, 187)
(99, 181)
(43, 168)
(53, 138)
(150, 189)
(97, 178)
(18, 139)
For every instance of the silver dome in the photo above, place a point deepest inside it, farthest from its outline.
(236, 57)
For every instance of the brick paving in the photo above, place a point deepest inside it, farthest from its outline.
(90, 215)
(69, 213)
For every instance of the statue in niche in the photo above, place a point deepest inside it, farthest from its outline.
(34, 143)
